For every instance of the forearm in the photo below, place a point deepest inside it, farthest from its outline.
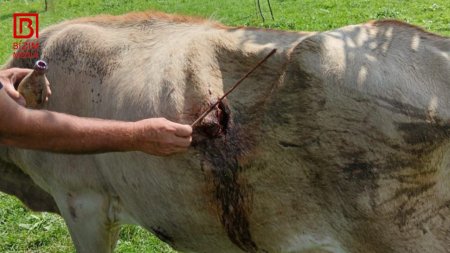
(62, 133)
(57, 132)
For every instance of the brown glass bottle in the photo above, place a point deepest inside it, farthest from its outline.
(33, 87)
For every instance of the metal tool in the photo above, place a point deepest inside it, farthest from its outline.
(232, 88)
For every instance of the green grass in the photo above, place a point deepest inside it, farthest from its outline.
(24, 231)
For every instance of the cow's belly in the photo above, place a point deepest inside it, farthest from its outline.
(173, 198)
(169, 197)
(176, 199)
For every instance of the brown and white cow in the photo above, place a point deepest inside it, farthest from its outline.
(339, 143)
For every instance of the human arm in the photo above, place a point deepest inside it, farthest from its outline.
(57, 132)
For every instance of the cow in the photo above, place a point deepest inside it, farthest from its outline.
(340, 142)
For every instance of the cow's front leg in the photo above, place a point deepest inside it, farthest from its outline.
(90, 217)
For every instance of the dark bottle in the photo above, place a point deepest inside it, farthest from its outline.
(33, 87)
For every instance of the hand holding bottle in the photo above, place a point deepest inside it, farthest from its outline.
(34, 86)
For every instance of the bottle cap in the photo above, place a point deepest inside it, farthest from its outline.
(41, 66)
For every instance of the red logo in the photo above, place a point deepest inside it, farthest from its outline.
(26, 25)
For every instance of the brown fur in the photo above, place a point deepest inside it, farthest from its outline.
(134, 17)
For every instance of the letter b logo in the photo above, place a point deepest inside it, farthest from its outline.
(26, 25)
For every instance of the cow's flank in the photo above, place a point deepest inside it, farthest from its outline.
(338, 143)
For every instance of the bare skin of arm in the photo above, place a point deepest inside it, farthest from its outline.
(58, 132)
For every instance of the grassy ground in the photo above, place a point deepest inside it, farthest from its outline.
(23, 231)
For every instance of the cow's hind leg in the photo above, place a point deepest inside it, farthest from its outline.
(90, 217)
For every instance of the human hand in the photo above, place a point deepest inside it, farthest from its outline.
(159, 136)
(10, 78)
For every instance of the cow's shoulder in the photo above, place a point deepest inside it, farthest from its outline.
(382, 58)
(390, 74)
(375, 42)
